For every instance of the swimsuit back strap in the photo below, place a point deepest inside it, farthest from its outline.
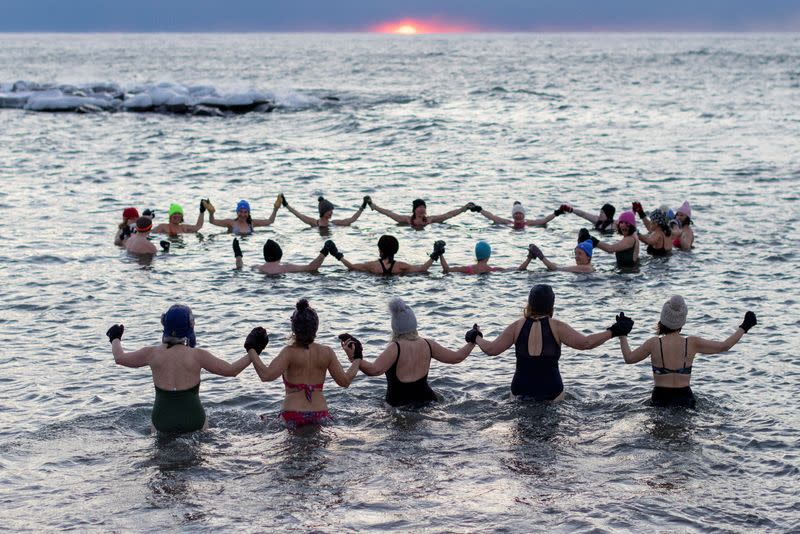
(430, 349)
(685, 351)
(661, 346)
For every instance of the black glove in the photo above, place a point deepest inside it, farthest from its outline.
(149, 213)
(330, 248)
(638, 209)
(164, 245)
(366, 202)
(358, 349)
(749, 321)
(583, 235)
(558, 212)
(126, 232)
(535, 252)
(469, 206)
(475, 208)
(438, 250)
(115, 332)
(257, 339)
(237, 250)
(472, 334)
(622, 326)
(283, 201)
(202, 205)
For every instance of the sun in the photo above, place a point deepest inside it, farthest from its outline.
(406, 29)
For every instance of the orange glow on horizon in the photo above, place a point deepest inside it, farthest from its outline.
(417, 27)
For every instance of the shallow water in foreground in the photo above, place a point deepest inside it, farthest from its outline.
(541, 119)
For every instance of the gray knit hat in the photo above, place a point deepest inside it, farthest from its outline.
(673, 313)
(403, 318)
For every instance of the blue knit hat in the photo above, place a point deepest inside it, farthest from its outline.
(587, 247)
(483, 250)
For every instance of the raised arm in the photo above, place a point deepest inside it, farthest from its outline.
(350, 220)
(137, 358)
(392, 215)
(217, 366)
(381, 364)
(201, 217)
(572, 338)
(623, 244)
(339, 375)
(494, 218)
(447, 269)
(705, 346)
(311, 221)
(502, 342)
(541, 222)
(449, 215)
(311, 267)
(648, 239)
(268, 373)
(449, 356)
(640, 353)
(585, 215)
(404, 267)
(267, 221)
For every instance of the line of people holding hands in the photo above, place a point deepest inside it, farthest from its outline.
(303, 364)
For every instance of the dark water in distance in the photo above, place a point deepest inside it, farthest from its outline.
(490, 118)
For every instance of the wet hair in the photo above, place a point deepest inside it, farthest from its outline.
(541, 301)
(272, 251)
(388, 247)
(324, 206)
(662, 330)
(414, 205)
(305, 323)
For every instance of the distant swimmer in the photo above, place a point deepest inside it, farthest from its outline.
(626, 250)
(127, 226)
(583, 259)
(243, 224)
(406, 360)
(304, 364)
(419, 217)
(603, 221)
(672, 355)
(139, 242)
(386, 264)
(483, 252)
(537, 339)
(658, 240)
(325, 208)
(176, 366)
(273, 254)
(518, 220)
(175, 225)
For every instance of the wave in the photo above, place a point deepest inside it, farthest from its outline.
(201, 100)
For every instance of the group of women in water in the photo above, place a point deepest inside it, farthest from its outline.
(303, 364)
(666, 231)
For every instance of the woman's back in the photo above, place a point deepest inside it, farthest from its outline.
(175, 368)
(413, 360)
(671, 358)
(304, 376)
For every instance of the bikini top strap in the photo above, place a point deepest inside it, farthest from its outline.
(661, 346)
(685, 351)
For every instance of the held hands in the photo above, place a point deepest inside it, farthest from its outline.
(749, 321)
(471, 206)
(352, 347)
(638, 209)
(565, 208)
(472, 334)
(535, 252)
(622, 326)
(237, 250)
(115, 332)
(257, 339)
(202, 205)
(278, 201)
(330, 248)
(438, 250)
(583, 235)
(283, 201)
(367, 201)
(208, 205)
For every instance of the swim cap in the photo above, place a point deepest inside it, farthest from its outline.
(587, 247)
(517, 208)
(609, 210)
(388, 246)
(178, 324)
(628, 217)
(686, 209)
(483, 250)
(673, 313)
(403, 319)
(243, 205)
(272, 251)
(174, 208)
(324, 206)
(541, 299)
(144, 224)
(130, 213)
(417, 203)
(305, 323)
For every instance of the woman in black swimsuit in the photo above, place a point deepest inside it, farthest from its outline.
(406, 360)
(386, 264)
(658, 241)
(672, 355)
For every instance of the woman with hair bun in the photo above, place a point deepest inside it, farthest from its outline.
(386, 264)
(325, 208)
(672, 355)
(304, 365)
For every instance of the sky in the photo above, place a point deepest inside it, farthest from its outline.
(368, 15)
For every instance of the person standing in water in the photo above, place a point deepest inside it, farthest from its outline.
(243, 224)
(139, 242)
(419, 215)
(128, 225)
(537, 339)
(386, 264)
(672, 355)
(176, 365)
(303, 365)
(175, 225)
(603, 221)
(483, 252)
(325, 208)
(583, 259)
(518, 220)
(406, 360)
(626, 250)
(272, 258)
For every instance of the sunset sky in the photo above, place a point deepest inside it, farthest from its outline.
(408, 16)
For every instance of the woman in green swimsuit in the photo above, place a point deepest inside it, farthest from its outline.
(176, 366)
